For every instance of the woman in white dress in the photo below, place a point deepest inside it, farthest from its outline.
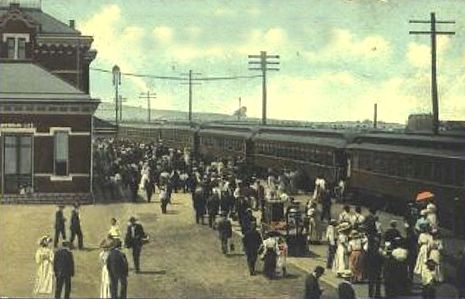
(341, 259)
(435, 254)
(424, 243)
(105, 279)
(44, 258)
(314, 227)
(114, 232)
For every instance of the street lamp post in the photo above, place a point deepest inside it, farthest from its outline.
(116, 83)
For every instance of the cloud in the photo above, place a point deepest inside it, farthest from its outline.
(419, 55)
(224, 12)
(344, 45)
(116, 42)
(163, 34)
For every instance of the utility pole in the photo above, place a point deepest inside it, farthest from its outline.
(190, 83)
(116, 83)
(375, 118)
(263, 67)
(240, 110)
(148, 96)
(78, 64)
(434, 85)
(121, 100)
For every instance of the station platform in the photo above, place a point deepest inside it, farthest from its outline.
(318, 253)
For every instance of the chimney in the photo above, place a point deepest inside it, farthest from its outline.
(72, 23)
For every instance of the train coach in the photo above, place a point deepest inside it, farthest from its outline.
(312, 152)
(181, 136)
(225, 141)
(140, 132)
(393, 168)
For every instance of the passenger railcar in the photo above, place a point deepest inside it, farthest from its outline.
(139, 132)
(395, 167)
(180, 136)
(314, 152)
(229, 142)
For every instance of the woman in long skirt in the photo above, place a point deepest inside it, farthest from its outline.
(424, 242)
(355, 249)
(341, 261)
(44, 276)
(105, 279)
(435, 255)
(314, 225)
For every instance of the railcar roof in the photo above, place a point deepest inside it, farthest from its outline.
(225, 133)
(414, 151)
(413, 137)
(323, 141)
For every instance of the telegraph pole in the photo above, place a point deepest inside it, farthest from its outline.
(148, 96)
(375, 117)
(116, 83)
(190, 83)
(434, 85)
(78, 64)
(240, 110)
(263, 67)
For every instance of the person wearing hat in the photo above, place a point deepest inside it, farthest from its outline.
(134, 239)
(252, 241)
(345, 290)
(44, 259)
(355, 249)
(63, 266)
(213, 206)
(224, 231)
(117, 266)
(395, 271)
(59, 225)
(392, 232)
(341, 261)
(331, 238)
(106, 246)
(75, 227)
(312, 285)
(429, 280)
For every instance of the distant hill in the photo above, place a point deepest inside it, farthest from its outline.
(136, 114)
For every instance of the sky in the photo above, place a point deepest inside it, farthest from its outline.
(337, 57)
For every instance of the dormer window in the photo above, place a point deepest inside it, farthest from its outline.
(16, 44)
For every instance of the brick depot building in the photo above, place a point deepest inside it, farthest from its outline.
(46, 112)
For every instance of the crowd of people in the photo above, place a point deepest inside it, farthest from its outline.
(359, 249)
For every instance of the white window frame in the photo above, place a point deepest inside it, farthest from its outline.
(55, 175)
(16, 37)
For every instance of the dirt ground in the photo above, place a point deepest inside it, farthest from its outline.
(183, 259)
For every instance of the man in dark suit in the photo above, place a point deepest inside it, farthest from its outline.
(224, 231)
(59, 225)
(312, 286)
(117, 266)
(199, 204)
(63, 266)
(75, 227)
(213, 207)
(134, 239)
(252, 242)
